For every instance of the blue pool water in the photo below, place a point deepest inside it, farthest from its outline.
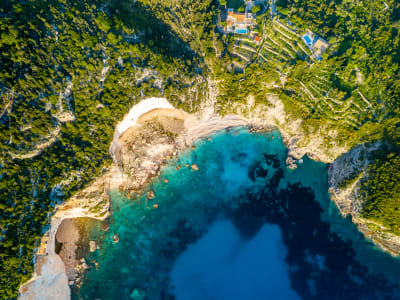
(308, 39)
(241, 31)
(241, 227)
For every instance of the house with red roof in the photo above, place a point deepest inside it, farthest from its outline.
(239, 23)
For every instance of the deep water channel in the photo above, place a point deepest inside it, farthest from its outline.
(228, 220)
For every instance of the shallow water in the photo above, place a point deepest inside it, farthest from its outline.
(243, 226)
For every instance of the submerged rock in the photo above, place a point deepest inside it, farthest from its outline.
(138, 295)
(84, 265)
(92, 246)
(96, 264)
(291, 163)
(105, 226)
(151, 195)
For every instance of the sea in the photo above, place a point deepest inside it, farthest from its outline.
(226, 219)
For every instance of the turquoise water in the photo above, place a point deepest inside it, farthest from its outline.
(242, 226)
(241, 31)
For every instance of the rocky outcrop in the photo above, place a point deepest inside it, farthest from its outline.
(50, 279)
(154, 132)
(380, 235)
(293, 134)
(144, 148)
(348, 166)
(345, 176)
(92, 246)
(143, 142)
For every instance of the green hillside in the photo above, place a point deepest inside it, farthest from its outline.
(69, 70)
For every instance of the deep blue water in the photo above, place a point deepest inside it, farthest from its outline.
(243, 226)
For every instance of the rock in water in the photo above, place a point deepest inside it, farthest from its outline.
(138, 295)
(291, 163)
(151, 195)
(115, 238)
(96, 264)
(105, 226)
(195, 167)
(92, 246)
(84, 265)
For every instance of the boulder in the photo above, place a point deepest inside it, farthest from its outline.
(96, 264)
(84, 264)
(115, 238)
(151, 195)
(105, 226)
(291, 163)
(92, 246)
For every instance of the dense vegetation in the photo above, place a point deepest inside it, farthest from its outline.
(350, 96)
(69, 70)
(382, 191)
(353, 91)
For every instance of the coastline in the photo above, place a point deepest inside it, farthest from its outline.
(50, 277)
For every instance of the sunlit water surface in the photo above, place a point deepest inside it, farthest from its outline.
(243, 226)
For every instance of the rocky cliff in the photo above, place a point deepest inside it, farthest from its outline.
(159, 133)
(50, 280)
(348, 165)
(148, 140)
(346, 174)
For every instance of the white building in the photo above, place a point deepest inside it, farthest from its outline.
(239, 22)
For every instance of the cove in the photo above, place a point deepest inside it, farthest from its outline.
(228, 220)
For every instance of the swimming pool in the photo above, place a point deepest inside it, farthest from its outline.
(307, 39)
(241, 31)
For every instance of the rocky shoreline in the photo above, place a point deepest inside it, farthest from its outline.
(162, 132)
(345, 176)
(348, 165)
(150, 135)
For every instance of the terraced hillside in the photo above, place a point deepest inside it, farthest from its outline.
(69, 70)
(319, 90)
(347, 97)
